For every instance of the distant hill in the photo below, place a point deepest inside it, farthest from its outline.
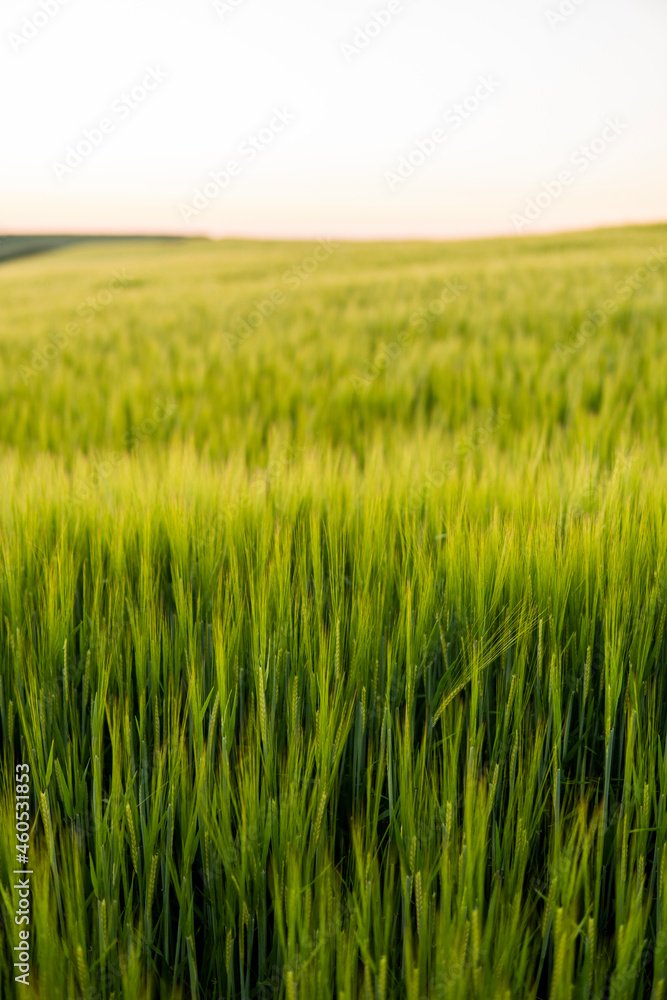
(21, 246)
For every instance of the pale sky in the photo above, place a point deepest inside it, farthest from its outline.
(317, 105)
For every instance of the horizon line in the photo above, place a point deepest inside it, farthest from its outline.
(240, 238)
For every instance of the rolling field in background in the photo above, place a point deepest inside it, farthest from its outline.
(332, 604)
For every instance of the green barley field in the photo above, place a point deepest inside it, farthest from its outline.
(332, 599)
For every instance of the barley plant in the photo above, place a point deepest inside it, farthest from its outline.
(338, 659)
